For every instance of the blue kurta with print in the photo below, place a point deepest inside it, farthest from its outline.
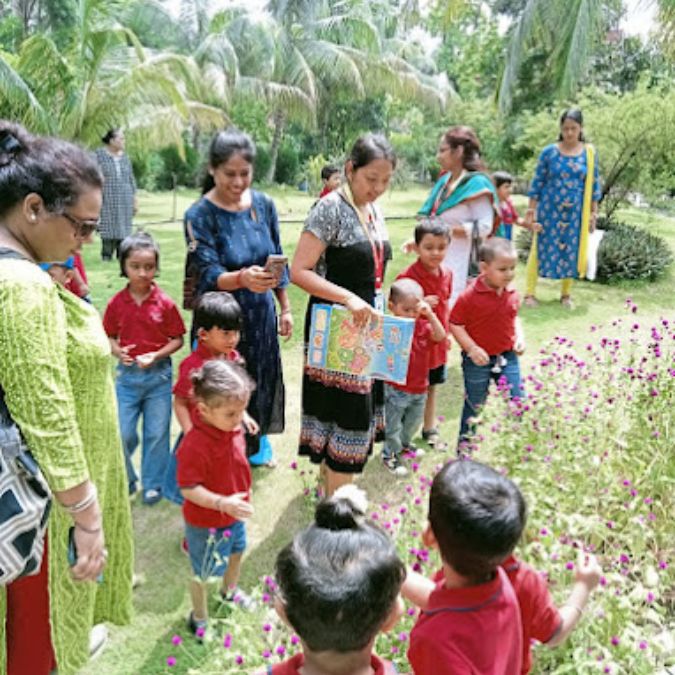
(558, 187)
(227, 241)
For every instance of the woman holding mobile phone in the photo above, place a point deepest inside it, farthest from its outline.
(233, 231)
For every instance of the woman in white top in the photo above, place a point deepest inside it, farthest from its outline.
(463, 195)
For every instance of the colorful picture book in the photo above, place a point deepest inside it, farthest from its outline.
(380, 350)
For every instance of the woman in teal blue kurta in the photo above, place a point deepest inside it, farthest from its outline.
(55, 372)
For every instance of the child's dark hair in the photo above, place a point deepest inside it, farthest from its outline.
(59, 171)
(218, 309)
(477, 517)
(431, 226)
(224, 145)
(371, 147)
(502, 178)
(109, 135)
(494, 247)
(328, 171)
(405, 288)
(340, 577)
(138, 241)
(575, 115)
(218, 381)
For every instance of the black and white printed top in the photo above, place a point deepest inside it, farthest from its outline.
(119, 188)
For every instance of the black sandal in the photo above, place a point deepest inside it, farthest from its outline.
(432, 438)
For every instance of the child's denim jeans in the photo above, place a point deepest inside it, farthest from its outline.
(477, 383)
(404, 413)
(146, 392)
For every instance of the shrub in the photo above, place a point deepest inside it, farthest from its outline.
(626, 252)
(288, 163)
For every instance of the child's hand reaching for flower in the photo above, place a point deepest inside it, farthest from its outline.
(250, 425)
(235, 506)
(588, 570)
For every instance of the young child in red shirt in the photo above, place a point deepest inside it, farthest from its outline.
(404, 403)
(508, 215)
(215, 479)
(144, 327)
(431, 242)
(330, 176)
(485, 323)
(339, 584)
(470, 618)
(218, 324)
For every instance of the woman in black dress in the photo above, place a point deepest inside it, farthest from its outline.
(341, 258)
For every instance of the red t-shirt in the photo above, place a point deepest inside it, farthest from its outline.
(507, 212)
(325, 191)
(489, 318)
(441, 286)
(539, 615)
(71, 285)
(292, 666)
(216, 460)
(417, 379)
(189, 364)
(469, 631)
(148, 326)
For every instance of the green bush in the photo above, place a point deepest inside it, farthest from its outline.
(262, 161)
(626, 252)
(288, 164)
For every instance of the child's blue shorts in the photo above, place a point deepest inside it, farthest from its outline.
(210, 548)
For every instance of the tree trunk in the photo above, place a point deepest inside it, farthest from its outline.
(279, 123)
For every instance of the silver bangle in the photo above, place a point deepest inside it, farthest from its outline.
(83, 504)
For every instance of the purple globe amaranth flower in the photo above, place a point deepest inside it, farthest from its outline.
(280, 650)
(171, 661)
(227, 641)
(176, 640)
(267, 627)
(295, 640)
(239, 659)
(615, 641)
(266, 654)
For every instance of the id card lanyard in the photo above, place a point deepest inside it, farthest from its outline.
(370, 229)
(449, 187)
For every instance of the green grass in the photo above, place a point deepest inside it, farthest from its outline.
(161, 602)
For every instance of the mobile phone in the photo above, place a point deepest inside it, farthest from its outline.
(72, 552)
(276, 264)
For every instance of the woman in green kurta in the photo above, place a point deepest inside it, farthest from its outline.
(55, 371)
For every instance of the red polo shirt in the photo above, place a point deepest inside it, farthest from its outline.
(292, 666)
(539, 615)
(417, 380)
(440, 285)
(148, 326)
(192, 362)
(488, 317)
(469, 631)
(217, 460)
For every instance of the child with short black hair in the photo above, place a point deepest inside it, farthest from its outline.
(432, 238)
(215, 479)
(470, 618)
(476, 516)
(330, 176)
(404, 403)
(507, 211)
(485, 323)
(339, 584)
(60, 272)
(144, 327)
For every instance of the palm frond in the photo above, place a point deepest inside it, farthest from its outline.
(350, 30)
(17, 100)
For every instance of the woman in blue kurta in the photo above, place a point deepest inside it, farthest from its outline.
(563, 207)
(232, 230)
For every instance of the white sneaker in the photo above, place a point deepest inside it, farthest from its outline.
(98, 637)
(394, 466)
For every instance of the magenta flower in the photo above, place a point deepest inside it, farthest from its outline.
(227, 641)
(295, 640)
(200, 632)
(176, 640)
(614, 641)
(267, 627)
(171, 661)
(642, 644)
(266, 654)
(239, 659)
(280, 650)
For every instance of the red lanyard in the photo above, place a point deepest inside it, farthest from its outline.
(370, 229)
(447, 190)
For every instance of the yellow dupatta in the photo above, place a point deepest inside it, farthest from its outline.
(582, 260)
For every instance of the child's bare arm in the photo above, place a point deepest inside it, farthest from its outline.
(417, 589)
(121, 353)
(586, 579)
(474, 351)
(78, 282)
(437, 330)
(234, 505)
(519, 346)
(182, 410)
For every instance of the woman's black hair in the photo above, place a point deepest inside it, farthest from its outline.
(339, 578)
(138, 241)
(467, 138)
(477, 517)
(218, 309)
(502, 178)
(575, 115)
(371, 147)
(59, 171)
(110, 134)
(224, 145)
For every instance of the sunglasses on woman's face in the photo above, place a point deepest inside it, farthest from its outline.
(83, 228)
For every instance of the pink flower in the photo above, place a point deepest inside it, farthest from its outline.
(176, 640)
(267, 627)
(614, 641)
(280, 650)
(239, 659)
(295, 640)
(171, 661)
(266, 654)
(200, 632)
(642, 644)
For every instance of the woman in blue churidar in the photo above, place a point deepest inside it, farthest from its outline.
(563, 208)
(233, 230)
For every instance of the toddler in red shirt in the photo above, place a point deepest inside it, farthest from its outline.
(485, 323)
(404, 403)
(470, 617)
(144, 327)
(339, 586)
(330, 177)
(431, 243)
(508, 215)
(215, 479)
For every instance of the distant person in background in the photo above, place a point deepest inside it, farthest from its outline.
(119, 193)
(330, 176)
(508, 216)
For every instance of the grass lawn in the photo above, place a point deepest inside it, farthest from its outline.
(162, 601)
